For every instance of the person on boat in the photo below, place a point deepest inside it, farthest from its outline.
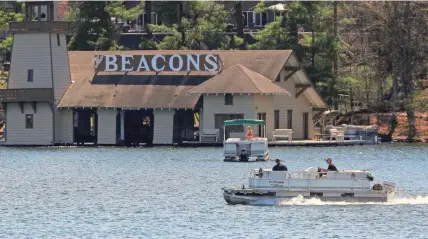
(250, 134)
(279, 166)
(331, 167)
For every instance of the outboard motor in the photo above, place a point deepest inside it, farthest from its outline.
(243, 157)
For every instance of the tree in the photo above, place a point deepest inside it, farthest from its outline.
(202, 26)
(93, 27)
(5, 18)
(239, 17)
(396, 30)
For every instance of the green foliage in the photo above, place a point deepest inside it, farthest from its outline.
(118, 10)
(272, 37)
(202, 27)
(6, 17)
(6, 45)
(420, 102)
(93, 28)
(260, 7)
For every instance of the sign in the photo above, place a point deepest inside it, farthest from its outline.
(158, 63)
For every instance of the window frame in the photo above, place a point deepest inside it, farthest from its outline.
(289, 119)
(276, 119)
(30, 75)
(228, 99)
(27, 125)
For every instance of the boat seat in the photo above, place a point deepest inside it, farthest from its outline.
(310, 173)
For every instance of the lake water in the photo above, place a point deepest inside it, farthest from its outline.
(176, 193)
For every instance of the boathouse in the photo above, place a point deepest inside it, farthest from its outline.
(153, 97)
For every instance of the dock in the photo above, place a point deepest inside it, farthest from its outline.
(285, 143)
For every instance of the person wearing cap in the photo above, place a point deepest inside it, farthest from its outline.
(331, 166)
(279, 166)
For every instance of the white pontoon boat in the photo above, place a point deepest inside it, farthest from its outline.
(244, 150)
(344, 185)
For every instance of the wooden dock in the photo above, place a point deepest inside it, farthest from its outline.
(285, 143)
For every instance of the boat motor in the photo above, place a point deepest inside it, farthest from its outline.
(243, 156)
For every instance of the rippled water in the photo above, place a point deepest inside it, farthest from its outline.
(176, 193)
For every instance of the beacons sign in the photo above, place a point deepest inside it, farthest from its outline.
(158, 63)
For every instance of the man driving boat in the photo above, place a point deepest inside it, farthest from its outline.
(279, 166)
(331, 167)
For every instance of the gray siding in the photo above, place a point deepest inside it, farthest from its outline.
(61, 69)
(30, 51)
(106, 126)
(163, 123)
(64, 127)
(213, 104)
(40, 134)
(299, 106)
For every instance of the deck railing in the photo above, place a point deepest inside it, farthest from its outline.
(26, 95)
(48, 26)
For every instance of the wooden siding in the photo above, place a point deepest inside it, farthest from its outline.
(40, 134)
(64, 126)
(30, 51)
(298, 106)
(213, 104)
(163, 123)
(106, 126)
(61, 69)
(265, 104)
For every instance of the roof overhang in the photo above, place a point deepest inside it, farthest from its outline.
(302, 81)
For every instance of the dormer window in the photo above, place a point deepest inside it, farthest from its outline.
(228, 99)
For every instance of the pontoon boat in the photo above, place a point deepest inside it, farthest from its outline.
(244, 149)
(344, 185)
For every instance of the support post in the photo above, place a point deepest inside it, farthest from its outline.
(122, 125)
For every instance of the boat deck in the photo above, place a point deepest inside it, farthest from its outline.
(281, 143)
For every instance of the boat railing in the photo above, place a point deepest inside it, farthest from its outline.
(255, 175)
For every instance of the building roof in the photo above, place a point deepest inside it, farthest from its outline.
(117, 90)
(238, 79)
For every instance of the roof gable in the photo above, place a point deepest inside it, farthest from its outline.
(238, 79)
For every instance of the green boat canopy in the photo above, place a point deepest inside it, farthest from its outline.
(244, 122)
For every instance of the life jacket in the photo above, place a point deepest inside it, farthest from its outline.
(249, 133)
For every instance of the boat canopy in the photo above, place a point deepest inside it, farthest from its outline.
(244, 122)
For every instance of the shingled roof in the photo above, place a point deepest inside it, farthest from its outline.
(238, 79)
(147, 90)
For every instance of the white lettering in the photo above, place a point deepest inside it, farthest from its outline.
(171, 63)
(143, 64)
(126, 60)
(194, 62)
(155, 65)
(213, 61)
(111, 61)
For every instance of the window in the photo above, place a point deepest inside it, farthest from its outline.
(248, 18)
(30, 74)
(58, 39)
(228, 99)
(29, 121)
(289, 119)
(260, 19)
(276, 119)
(153, 19)
(261, 131)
